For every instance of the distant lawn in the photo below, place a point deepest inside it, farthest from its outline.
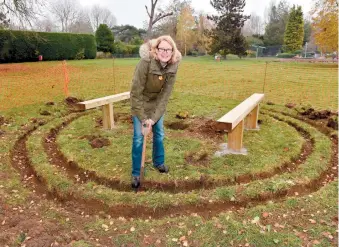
(298, 83)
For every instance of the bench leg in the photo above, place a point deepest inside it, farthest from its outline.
(108, 117)
(251, 121)
(235, 137)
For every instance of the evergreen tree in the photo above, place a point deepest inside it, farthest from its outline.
(104, 38)
(128, 33)
(227, 37)
(294, 34)
(307, 31)
(275, 28)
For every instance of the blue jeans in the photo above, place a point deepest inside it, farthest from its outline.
(158, 154)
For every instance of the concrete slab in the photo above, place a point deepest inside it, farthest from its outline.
(224, 150)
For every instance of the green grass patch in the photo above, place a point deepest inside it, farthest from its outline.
(274, 144)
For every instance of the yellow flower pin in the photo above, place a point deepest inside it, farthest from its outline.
(160, 78)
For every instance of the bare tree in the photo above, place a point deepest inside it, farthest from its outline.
(203, 28)
(253, 26)
(256, 24)
(267, 12)
(22, 10)
(169, 24)
(100, 15)
(154, 18)
(44, 25)
(66, 12)
(82, 24)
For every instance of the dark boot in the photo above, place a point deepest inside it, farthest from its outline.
(162, 168)
(135, 182)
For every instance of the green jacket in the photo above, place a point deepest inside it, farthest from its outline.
(151, 86)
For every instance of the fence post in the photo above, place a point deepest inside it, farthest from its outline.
(66, 78)
(113, 76)
(263, 89)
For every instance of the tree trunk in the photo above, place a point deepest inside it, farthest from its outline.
(153, 18)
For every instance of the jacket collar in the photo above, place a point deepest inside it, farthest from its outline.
(156, 68)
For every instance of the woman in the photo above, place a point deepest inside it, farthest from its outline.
(152, 85)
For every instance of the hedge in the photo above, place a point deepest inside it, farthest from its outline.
(21, 46)
(126, 49)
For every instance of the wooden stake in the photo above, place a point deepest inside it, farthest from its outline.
(251, 121)
(235, 137)
(108, 117)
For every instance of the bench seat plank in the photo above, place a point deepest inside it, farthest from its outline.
(89, 104)
(230, 120)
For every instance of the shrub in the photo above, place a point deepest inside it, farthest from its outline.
(125, 49)
(101, 54)
(298, 52)
(104, 38)
(251, 53)
(80, 55)
(21, 46)
(285, 55)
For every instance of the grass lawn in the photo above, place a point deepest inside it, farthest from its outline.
(298, 83)
(56, 189)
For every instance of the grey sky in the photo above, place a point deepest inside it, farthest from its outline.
(133, 12)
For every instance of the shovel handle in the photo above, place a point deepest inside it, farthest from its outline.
(143, 157)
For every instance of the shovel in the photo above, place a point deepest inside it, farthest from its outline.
(143, 156)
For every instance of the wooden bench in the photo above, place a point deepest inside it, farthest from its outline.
(107, 107)
(244, 115)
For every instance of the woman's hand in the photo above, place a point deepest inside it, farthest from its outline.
(147, 126)
(149, 122)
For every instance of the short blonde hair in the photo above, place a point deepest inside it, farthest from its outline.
(154, 45)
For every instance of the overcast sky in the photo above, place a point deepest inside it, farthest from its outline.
(133, 12)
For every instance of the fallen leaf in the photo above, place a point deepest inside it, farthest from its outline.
(276, 241)
(327, 235)
(219, 226)
(255, 220)
(183, 238)
(312, 221)
(265, 214)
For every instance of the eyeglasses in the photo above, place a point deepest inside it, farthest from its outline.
(165, 50)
